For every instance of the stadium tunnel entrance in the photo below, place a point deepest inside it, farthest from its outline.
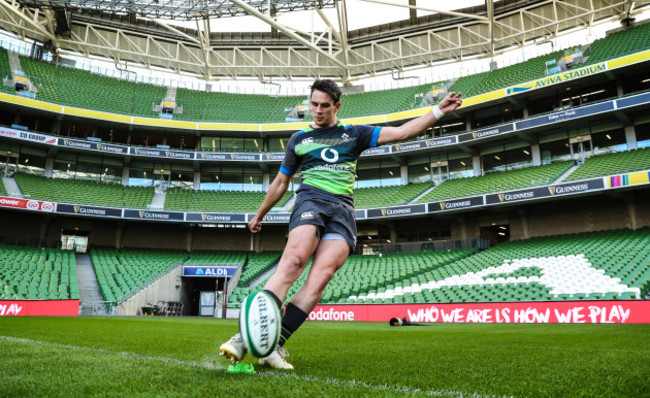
(496, 233)
(196, 299)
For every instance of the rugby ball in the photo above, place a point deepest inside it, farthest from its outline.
(259, 324)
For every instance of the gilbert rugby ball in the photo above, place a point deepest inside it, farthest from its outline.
(259, 324)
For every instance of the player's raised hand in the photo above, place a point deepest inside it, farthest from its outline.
(450, 103)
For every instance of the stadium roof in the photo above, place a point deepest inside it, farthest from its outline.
(173, 9)
(427, 36)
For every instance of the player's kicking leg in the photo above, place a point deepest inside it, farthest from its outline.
(301, 244)
(330, 256)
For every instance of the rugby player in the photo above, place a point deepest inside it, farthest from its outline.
(322, 222)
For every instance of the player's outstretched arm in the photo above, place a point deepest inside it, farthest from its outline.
(276, 191)
(416, 126)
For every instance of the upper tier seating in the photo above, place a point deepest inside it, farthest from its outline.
(80, 88)
(497, 182)
(217, 201)
(83, 192)
(5, 69)
(619, 44)
(612, 163)
(388, 196)
(597, 265)
(531, 69)
(37, 274)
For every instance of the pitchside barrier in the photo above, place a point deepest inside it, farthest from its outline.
(39, 307)
(618, 311)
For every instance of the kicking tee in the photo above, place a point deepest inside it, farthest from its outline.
(327, 160)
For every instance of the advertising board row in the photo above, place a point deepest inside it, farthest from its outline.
(614, 311)
(506, 128)
(456, 204)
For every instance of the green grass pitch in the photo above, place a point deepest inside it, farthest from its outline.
(173, 357)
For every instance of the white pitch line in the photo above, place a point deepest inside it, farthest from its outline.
(271, 374)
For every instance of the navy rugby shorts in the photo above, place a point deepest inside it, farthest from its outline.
(329, 217)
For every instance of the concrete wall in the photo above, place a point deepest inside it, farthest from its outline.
(164, 289)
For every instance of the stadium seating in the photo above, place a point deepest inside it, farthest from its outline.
(37, 274)
(257, 264)
(381, 102)
(217, 201)
(3, 190)
(484, 82)
(597, 265)
(5, 69)
(80, 88)
(83, 192)
(361, 274)
(122, 273)
(387, 196)
(619, 44)
(224, 107)
(497, 182)
(619, 162)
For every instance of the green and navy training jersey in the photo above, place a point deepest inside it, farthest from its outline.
(327, 160)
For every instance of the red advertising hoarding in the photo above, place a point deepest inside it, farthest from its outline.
(28, 204)
(39, 307)
(619, 311)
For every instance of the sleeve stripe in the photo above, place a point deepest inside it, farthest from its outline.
(286, 171)
(375, 137)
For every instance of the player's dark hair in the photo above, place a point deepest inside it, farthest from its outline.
(329, 87)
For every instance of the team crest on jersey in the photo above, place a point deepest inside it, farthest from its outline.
(307, 141)
(345, 136)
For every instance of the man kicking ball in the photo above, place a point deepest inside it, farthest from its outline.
(323, 222)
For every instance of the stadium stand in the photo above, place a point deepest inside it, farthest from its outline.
(224, 107)
(83, 192)
(595, 265)
(76, 87)
(388, 196)
(69, 86)
(361, 274)
(123, 273)
(37, 274)
(257, 264)
(497, 182)
(3, 190)
(619, 44)
(531, 69)
(5, 69)
(619, 162)
(179, 199)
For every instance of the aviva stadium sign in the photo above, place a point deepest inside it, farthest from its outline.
(557, 78)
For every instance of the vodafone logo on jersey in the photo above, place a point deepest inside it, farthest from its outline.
(329, 155)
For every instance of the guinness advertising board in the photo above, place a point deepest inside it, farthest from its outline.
(543, 192)
(153, 215)
(455, 204)
(215, 217)
(273, 157)
(89, 210)
(489, 132)
(396, 211)
(275, 217)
